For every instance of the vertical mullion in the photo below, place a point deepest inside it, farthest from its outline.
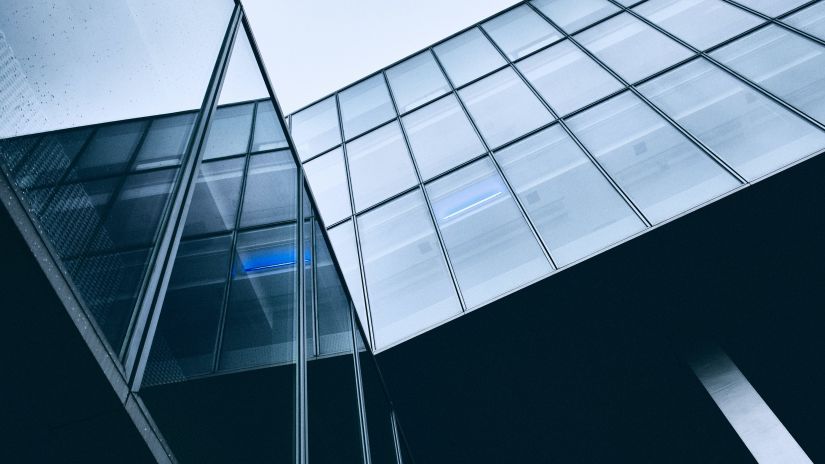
(359, 388)
(300, 317)
(396, 440)
(313, 256)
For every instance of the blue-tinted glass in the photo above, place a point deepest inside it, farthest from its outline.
(229, 131)
(488, 241)
(575, 209)
(468, 56)
(271, 189)
(751, 133)
(109, 151)
(269, 133)
(166, 141)
(76, 212)
(772, 7)
(520, 31)
(365, 105)
(42, 161)
(346, 253)
(327, 178)
(315, 129)
(334, 328)
(659, 168)
(416, 81)
(215, 201)
(572, 15)
(810, 20)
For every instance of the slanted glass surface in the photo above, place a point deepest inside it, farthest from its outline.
(503, 107)
(750, 132)
(334, 327)
(788, 65)
(327, 178)
(270, 189)
(772, 7)
(575, 209)
(269, 133)
(660, 169)
(572, 15)
(520, 31)
(489, 244)
(631, 48)
(342, 238)
(379, 166)
(441, 136)
(567, 78)
(701, 23)
(409, 286)
(810, 20)
(166, 141)
(315, 129)
(215, 201)
(416, 81)
(468, 56)
(365, 105)
(110, 151)
(229, 131)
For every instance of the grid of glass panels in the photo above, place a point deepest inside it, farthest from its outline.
(544, 97)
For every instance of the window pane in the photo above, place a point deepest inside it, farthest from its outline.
(503, 107)
(790, 66)
(365, 105)
(810, 20)
(271, 188)
(409, 286)
(659, 168)
(343, 242)
(109, 151)
(520, 31)
(315, 129)
(416, 81)
(488, 241)
(166, 141)
(567, 78)
(229, 131)
(269, 133)
(572, 15)
(379, 165)
(215, 201)
(575, 209)
(426, 129)
(772, 7)
(468, 56)
(701, 23)
(750, 132)
(334, 328)
(632, 48)
(328, 179)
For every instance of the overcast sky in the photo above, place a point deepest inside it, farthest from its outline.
(312, 48)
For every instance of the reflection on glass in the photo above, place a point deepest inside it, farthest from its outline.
(701, 23)
(750, 132)
(327, 177)
(379, 166)
(365, 105)
(567, 78)
(334, 329)
(270, 189)
(503, 107)
(109, 151)
(810, 20)
(39, 161)
(315, 129)
(632, 48)
(659, 168)
(346, 253)
(520, 31)
(416, 81)
(408, 283)
(788, 65)
(75, 213)
(572, 15)
(166, 141)
(269, 133)
(488, 241)
(426, 129)
(229, 131)
(772, 7)
(215, 201)
(468, 56)
(575, 209)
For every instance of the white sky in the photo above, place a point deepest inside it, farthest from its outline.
(314, 47)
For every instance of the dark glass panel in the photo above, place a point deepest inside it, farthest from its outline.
(378, 409)
(110, 150)
(215, 201)
(166, 141)
(333, 306)
(270, 189)
(269, 133)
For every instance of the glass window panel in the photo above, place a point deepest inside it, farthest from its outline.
(215, 201)
(572, 15)
(468, 56)
(342, 239)
(416, 81)
(315, 129)
(810, 20)
(658, 167)
(503, 107)
(772, 7)
(42, 160)
(701, 23)
(750, 132)
(76, 212)
(788, 65)
(334, 329)
(260, 319)
(166, 141)
(378, 410)
(575, 209)
(408, 282)
(441, 136)
(632, 48)
(109, 151)
(520, 31)
(567, 78)
(365, 105)
(327, 177)
(269, 133)
(489, 243)
(379, 166)
(229, 131)
(271, 189)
